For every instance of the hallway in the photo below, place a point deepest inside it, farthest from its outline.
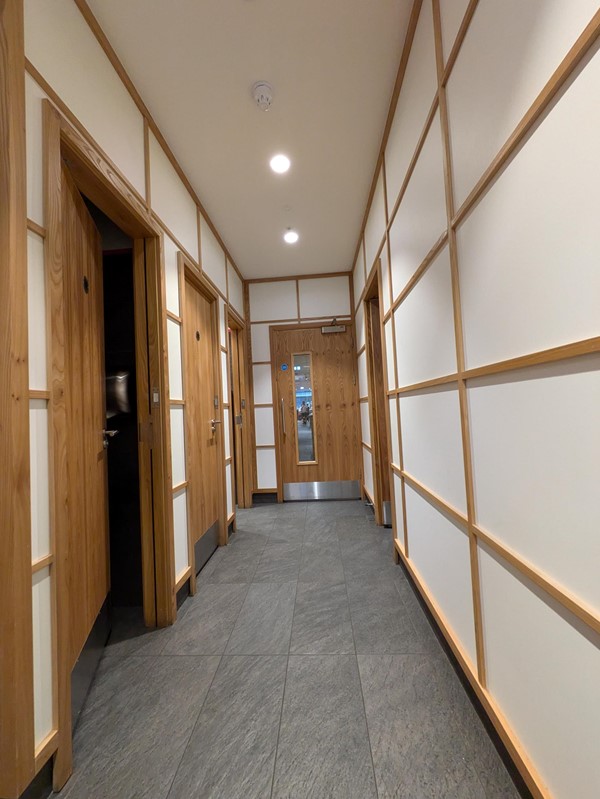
(303, 667)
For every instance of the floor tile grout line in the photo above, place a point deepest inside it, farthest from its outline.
(362, 695)
(287, 665)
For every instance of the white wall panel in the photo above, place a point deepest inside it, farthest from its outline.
(229, 490)
(418, 90)
(424, 322)
(270, 301)
(421, 218)
(358, 275)
(41, 596)
(171, 274)
(223, 338)
(36, 312)
(236, 290)
(432, 443)
(542, 668)
(394, 431)
(489, 93)
(376, 223)
(389, 354)
(40, 480)
(264, 427)
(171, 200)
(177, 445)
(226, 433)
(175, 360)
(529, 252)
(365, 423)
(224, 379)
(359, 321)
(368, 473)
(440, 551)
(536, 456)
(363, 385)
(261, 347)
(35, 150)
(325, 296)
(452, 13)
(385, 281)
(263, 390)
(399, 528)
(212, 257)
(180, 533)
(266, 468)
(60, 45)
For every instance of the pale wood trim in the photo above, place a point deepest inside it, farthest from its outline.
(183, 579)
(35, 228)
(177, 402)
(265, 446)
(260, 363)
(561, 353)
(272, 490)
(420, 271)
(361, 350)
(272, 321)
(534, 115)
(298, 299)
(228, 462)
(223, 349)
(36, 393)
(414, 388)
(308, 276)
(406, 48)
(435, 499)
(45, 750)
(180, 487)
(174, 317)
(519, 756)
(367, 446)
(363, 399)
(147, 173)
(42, 563)
(263, 404)
(458, 42)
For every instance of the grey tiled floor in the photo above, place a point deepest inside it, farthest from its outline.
(303, 667)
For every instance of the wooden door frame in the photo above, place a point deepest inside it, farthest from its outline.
(189, 271)
(243, 466)
(95, 178)
(379, 423)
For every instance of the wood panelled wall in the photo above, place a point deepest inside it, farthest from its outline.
(38, 42)
(483, 221)
(302, 299)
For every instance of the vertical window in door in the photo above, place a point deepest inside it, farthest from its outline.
(304, 408)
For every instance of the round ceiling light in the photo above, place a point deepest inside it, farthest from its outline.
(290, 236)
(280, 163)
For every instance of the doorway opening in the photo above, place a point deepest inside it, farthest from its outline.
(377, 405)
(239, 421)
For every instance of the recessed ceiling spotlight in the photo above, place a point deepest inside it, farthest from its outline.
(280, 163)
(290, 236)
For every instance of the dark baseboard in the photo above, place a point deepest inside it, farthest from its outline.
(41, 785)
(206, 545)
(87, 662)
(264, 499)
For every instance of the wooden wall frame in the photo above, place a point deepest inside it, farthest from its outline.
(241, 394)
(96, 179)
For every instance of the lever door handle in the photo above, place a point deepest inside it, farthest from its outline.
(214, 423)
(106, 435)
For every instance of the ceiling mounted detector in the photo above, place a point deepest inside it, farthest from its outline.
(263, 95)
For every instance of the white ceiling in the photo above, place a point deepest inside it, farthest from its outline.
(332, 65)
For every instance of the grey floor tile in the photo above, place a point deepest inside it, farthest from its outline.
(367, 559)
(129, 636)
(414, 728)
(321, 563)
(427, 637)
(279, 563)
(248, 540)
(264, 624)
(207, 624)
(135, 726)
(231, 752)
(321, 620)
(320, 530)
(337, 509)
(380, 622)
(235, 564)
(323, 746)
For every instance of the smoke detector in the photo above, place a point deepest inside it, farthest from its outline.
(263, 95)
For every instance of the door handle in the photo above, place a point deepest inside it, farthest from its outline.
(107, 435)
(214, 423)
(283, 425)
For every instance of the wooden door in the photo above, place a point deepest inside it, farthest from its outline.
(203, 438)
(331, 417)
(376, 378)
(239, 415)
(87, 557)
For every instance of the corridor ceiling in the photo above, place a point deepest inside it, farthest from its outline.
(332, 65)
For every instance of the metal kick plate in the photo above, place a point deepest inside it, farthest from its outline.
(333, 489)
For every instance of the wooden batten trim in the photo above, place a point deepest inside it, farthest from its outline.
(265, 446)
(273, 321)
(223, 349)
(174, 317)
(363, 399)
(526, 768)
(228, 460)
(564, 352)
(406, 48)
(35, 228)
(263, 404)
(36, 393)
(367, 446)
(308, 276)
(230, 518)
(458, 42)
(236, 318)
(361, 350)
(174, 403)
(183, 579)
(420, 271)
(45, 750)
(415, 388)
(42, 563)
(272, 490)
(435, 499)
(175, 240)
(147, 175)
(534, 115)
(569, 601)
(260, 363)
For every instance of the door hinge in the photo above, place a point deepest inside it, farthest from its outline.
(238, 419)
